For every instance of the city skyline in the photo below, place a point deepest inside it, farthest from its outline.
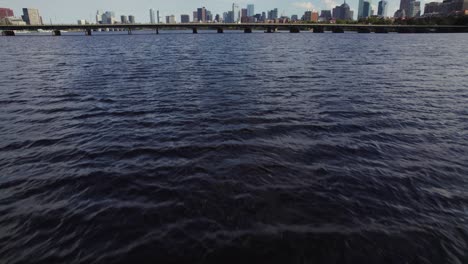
(69, 12)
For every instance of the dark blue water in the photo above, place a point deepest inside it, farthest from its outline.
(234, 148)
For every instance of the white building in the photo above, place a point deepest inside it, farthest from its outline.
(152, 16)
(170, 19)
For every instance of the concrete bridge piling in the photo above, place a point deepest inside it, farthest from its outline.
(337, 30)
(9, 33)
(318, 29)
(294, 30)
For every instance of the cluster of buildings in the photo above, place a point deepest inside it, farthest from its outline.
(447, 7)
(30, 17)
(109, 17)
(247, 14)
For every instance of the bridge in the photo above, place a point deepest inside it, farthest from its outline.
(9, 30)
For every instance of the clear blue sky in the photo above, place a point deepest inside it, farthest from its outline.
(68, 11)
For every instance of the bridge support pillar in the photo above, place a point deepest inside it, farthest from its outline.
(337, 30)
(381, 30)
(247, 30)
(8, 33)
(88, 32)
(195, 31)
(270, 30)
(294, 30)
(220, 30)
(363, 30)
(130, 31)
(157, 31)
(56, 33)
(319, 30)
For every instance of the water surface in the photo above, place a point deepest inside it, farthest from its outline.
(234, 148)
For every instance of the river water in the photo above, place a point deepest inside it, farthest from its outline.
(234, 148)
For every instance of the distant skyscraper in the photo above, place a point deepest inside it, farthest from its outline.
(31, 16)
(108, 18)
(152, 16)
(6, 12)
(273, 14)
(382, 9)
(415, 9)
(131, 19)
(405, 6)
(360, 9)
(195, 16)
(343, 12)
(326, 15)
(209, 16)
(157, 16)
(365, 9)
(170, 19)
(98, 17)
(250, 10)
(201, 14)
(184, 19)
(243, 12)
(235, 13)
(124, 19)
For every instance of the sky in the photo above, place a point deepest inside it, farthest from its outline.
(69, 11)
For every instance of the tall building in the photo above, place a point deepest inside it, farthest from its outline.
(98, 17)
(412, 8)
(170, 19)
(244, 12)
(273, 14)
(6, 12)
(343, 12)
(209, 16)
(184, 19)
(250, 10)
(157, 16)
(31, 16)
(108, 18)
(195, 16)
(365, 9)
(360, 9)
(201, 14)
(131, 19)
(326, 15)
(405, 6)
(310, 16)
(415, 9)
(382, 9)
(294, 18)
(124, 19)
(235, 13)
(152, 16)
